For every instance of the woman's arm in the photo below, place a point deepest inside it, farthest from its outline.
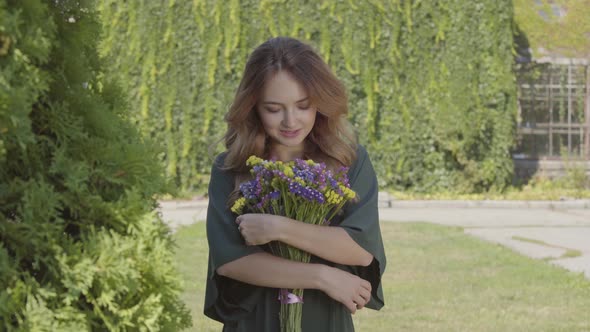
(330, 243)
(264, 269)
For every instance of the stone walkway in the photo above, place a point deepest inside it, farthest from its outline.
(557, 231)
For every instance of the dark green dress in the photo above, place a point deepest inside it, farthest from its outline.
(244, 307)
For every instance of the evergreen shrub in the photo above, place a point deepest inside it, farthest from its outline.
(81, 246)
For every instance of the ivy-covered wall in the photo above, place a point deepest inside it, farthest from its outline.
(431, 87)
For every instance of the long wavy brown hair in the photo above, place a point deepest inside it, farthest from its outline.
(331, 140)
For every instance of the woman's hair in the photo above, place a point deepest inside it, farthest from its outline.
(331, 139)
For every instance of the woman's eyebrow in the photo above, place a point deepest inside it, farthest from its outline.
(277, 103)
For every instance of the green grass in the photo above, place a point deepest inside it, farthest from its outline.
(191, 258)
(438, 279)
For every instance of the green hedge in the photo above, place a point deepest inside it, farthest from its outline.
(432, 93)
(81, 248)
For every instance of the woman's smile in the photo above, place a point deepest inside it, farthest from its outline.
(290, 133)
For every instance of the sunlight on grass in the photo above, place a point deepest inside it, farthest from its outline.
(438, 279)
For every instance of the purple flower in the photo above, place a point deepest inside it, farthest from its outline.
(302, 164)
(249, 189)
(333, 183)
(275, 195)
(257, 169)
(295, 188)
(307, 193)
(280, 174)
(321, 167)
(321, 180)
(305, 175)
(342, 175)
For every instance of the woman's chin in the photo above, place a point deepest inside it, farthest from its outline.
(291, 144)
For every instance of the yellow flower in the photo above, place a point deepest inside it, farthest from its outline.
(238, 205)
(348, 193)
(332, 197)
(288, 170)
(253, 161)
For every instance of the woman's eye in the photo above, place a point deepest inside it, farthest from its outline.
(272, 110)
(304, 107)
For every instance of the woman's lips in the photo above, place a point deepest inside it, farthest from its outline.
(290, 133)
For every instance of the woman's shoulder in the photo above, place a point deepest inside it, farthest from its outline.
(361, 151)
(360, 156)
(361, 162)
(218, 167)
(219, 160)
(220, 175)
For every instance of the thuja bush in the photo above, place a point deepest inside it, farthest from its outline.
(431, 87)
(81, 248)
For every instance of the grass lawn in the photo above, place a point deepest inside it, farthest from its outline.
(438, 279)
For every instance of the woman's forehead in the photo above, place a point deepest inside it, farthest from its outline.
(282, 88)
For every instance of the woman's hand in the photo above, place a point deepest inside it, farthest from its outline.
(346, 288)
(258, 228)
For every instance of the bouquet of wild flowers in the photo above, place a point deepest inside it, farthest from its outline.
(302, 190)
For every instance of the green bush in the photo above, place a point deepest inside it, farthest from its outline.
(81, 247)
(432, 92)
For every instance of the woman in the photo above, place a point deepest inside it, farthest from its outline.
(289, 105)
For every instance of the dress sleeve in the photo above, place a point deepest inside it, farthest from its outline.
(226, 300)
(361, 222)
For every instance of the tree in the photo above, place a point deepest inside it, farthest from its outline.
(81, 246)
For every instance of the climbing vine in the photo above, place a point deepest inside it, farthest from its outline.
(431, 87)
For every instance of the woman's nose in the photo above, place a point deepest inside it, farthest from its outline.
(288, 118)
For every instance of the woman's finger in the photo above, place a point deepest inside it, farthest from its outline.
(360, 302)
(366, 285)
(366, 295)
(351, 307)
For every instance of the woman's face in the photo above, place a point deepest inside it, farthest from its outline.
(286, 113)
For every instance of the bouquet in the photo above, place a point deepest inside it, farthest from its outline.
(302, 190)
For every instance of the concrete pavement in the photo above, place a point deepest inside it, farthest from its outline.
(183, 213)
(557, 231)
(561, 237)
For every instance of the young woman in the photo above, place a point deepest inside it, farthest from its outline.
(290, 105)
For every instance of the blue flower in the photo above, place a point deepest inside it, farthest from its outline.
(275, 195)
(307, 193)
(249, 189)
(306, 175)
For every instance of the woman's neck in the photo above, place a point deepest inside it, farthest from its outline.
(286, 153)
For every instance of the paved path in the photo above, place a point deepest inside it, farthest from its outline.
(560, 236)
(558, 232)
